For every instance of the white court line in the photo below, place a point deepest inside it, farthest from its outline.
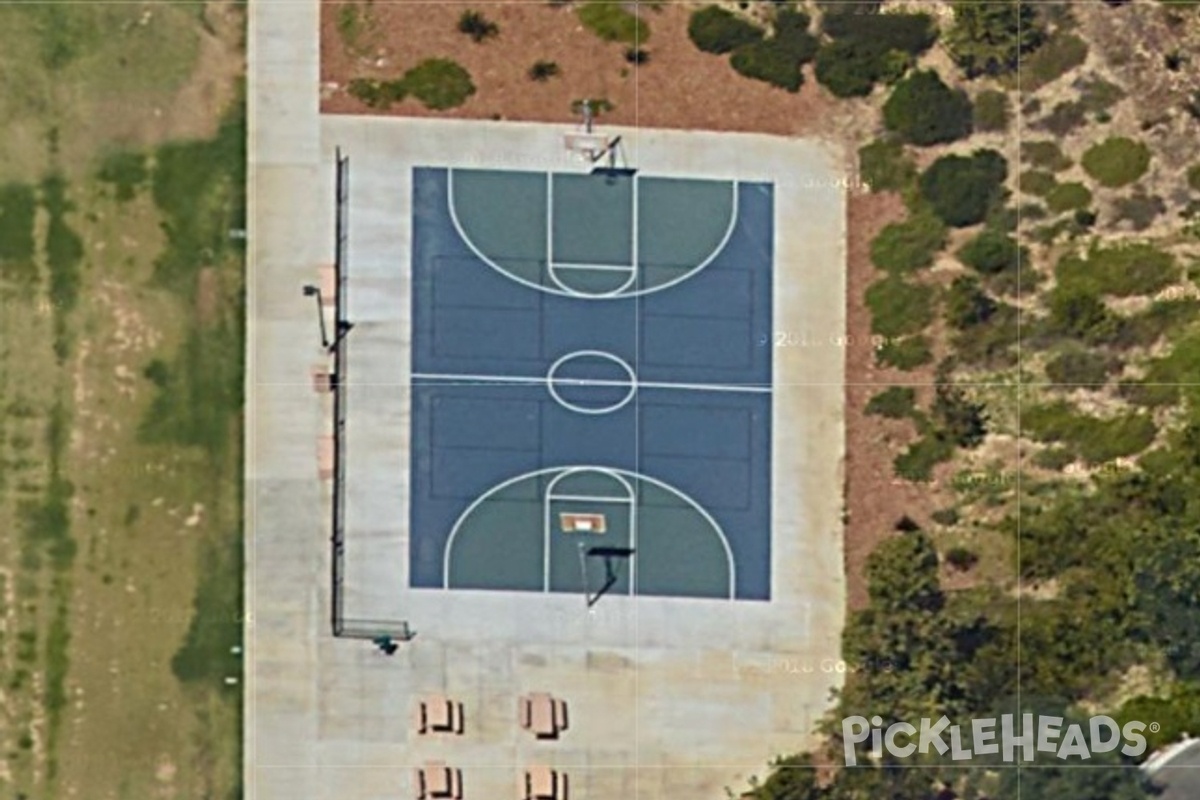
(598, 267)
(503, 379)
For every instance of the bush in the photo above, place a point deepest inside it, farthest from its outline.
(989, 344)
(917, 462)
(884, 166)
(1080, 314)
(1036, 182)
(1064, 118)
(768, 62)
(925, 111)
(717, 30)
(963, 189)
(612, 23)
(967, 305)
(636, 55)
(477, 26)
(439, 83)
(991, 252)
(961, 558)
(1116, 162)
(543, 70)
(1193, 177)
(945, 516)
(1095, 440)
(990, 38)
(1122, 270)
(991, 111)
(1045, 155)
(126, 171)
(908, 245)
(908, 33)
(896, 402)
(1080, 368)
(1059, 55)
(899, 308)
(377, 94)
(1068, 197)
(866, 49)
(1139, 209)
(1054, 458)
(905, 354)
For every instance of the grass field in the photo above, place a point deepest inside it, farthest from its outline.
(120, 393)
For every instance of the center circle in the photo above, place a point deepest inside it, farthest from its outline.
(609, 381)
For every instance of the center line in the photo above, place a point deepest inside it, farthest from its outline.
(527, 381)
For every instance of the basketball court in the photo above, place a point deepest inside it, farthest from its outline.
(587, 347)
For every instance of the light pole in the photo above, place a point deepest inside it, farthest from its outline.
(315, 291)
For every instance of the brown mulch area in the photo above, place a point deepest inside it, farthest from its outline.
(682, 88)
(679, 87)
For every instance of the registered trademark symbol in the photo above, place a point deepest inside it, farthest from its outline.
(1154, 727)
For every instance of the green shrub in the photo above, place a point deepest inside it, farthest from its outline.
(1116, 162)
(925, 111)
(866, 49)
(884, 166)
(1095, 440)
(991, 111)
(612, 23)
(917, 462)
(961, 558)
(543, 70)
(1060, 54)
(1079, 313)
(477, 26)
(906, 353)
(717, 30)
(126, 171)
(1064, 118)
(908, 33)
(1080, 368)
(1036, 182)
(967, 305)
(377, 94)
(1149, 395)
(1122, 270)
(18, 209)
(945, 516)
(1098, 95)
(1054, 458)
(989, 344)
(908, 245)
(991, 38)
(1045, 155)
(963, 189)
(1193, 177)
(1068, 197)
(990, 252)
(899, 308)
(896, 402)
(439, 83)
(1140, 209)
(767, 61)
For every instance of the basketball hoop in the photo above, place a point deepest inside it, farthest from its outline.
(587, 147)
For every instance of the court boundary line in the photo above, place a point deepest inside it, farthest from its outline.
(478, 501)
(550, 265)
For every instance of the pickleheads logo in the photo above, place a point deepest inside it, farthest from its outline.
(991, 737)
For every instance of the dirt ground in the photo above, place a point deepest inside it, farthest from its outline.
(680, 87)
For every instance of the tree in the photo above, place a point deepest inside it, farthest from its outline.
(963, 189)
(717, 30)
(989, 37)
(925, 111)
(869, 48)
(959, 420)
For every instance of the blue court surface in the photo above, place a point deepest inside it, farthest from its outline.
(589, 372)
